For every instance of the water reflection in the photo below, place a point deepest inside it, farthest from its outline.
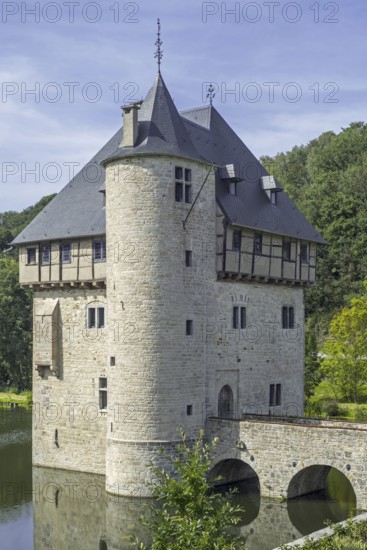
(72, 510)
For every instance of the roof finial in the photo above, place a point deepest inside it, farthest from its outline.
(210, 94)
(159, 53)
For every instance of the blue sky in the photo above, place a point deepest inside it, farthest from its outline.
(284, 72)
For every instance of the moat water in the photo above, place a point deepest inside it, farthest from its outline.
(44, 509)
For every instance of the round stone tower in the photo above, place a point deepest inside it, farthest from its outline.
(159, 271)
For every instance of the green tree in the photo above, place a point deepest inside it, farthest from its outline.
(345, 352)
(189, 514)
(16, 327)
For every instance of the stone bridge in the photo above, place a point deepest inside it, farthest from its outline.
(290, 457)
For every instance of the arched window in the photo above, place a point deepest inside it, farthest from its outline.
(225, 403)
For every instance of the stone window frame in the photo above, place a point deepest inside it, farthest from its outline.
(239, 317)
(288, 317)
(97, 321)
(183, 184)
(102, 393)
(275, 395)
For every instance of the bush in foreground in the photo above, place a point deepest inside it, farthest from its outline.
(188, 513)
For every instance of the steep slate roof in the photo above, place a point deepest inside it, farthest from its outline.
(199, 134)
(161, 128)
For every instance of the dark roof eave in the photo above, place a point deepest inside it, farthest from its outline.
(52, 239)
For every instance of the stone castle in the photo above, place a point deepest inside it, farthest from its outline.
(168, 282)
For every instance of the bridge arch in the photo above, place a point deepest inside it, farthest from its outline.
(237, 473)
(333, 486)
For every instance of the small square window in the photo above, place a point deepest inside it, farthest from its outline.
(112, 361)
(188, 194)
(189, 327)
(66, 253)
(304, 253)
(189, 410)
(178, 173)
(45, 254)
(179, 192)
(236, 241)
(188, 175)
(188, 258)
(31, 255)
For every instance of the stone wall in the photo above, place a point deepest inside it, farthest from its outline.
(279, 451)
(69, 430)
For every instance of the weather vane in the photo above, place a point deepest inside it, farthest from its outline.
(159, 53)
(210, 94)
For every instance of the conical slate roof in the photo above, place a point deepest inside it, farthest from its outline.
(198, 134)
(161, 130)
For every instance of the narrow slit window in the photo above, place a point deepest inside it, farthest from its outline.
(179, 192)
(188, 194)
(189, 410)
(287, 248)
(288, 317)
(304, 253)
(243, 317)
(188, 258)
(236, 241)
(258, 244)
(103, 394)
(235, 323)
(189, 327)
(45, 254)
(278, 395)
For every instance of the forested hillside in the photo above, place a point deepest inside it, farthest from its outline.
(327, 180)
(15, 303)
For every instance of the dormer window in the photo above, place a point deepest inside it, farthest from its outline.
(270, 187)
(183, 189)
(232, 186)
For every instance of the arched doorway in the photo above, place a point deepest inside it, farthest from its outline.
(225, 403)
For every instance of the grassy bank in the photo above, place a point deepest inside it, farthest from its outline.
(351, 535)
(325, 403)
(11, 395)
